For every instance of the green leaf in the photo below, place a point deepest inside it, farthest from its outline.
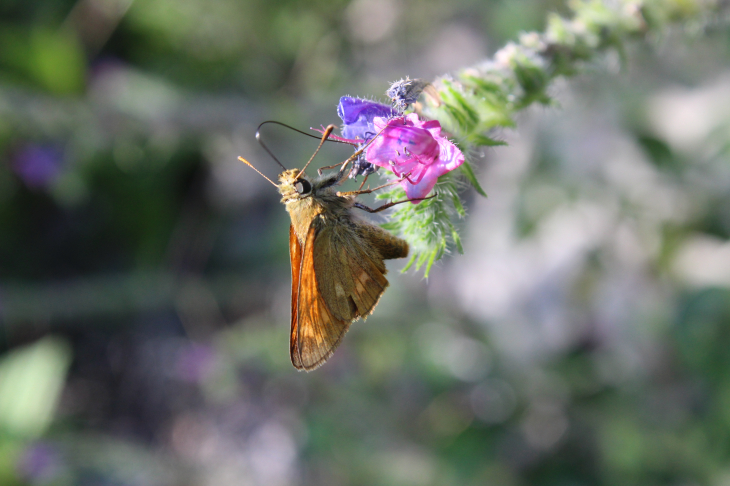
(464, 106)
(458, 206)
(467, 170)
(31, 380)
(456, 239)
(432, 258)
(459, 117)
(486, 87)
(422, 259)
(52, 59)
(410, 262)
(484, 141)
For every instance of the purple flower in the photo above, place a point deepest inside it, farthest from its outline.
(40, 462)
(195, 362)
(415, 149)
(358, 115)
(37, 165)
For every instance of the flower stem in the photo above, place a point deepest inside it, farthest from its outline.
(475, 101)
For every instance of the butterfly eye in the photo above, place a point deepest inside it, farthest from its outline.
(303, 186)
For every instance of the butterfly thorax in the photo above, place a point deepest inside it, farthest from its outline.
(307, 199)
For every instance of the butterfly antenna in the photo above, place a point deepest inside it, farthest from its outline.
(254, 168)
(325, 135)
(261, 142)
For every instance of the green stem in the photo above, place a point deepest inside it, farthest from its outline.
(473, 102)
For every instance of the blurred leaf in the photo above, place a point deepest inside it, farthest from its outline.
(10, 451)
(51, 59)
(31, 379)
(467, 170)
(483, 140)
(658, 152)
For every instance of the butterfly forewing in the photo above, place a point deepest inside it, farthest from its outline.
(316, 332)
(295, 254)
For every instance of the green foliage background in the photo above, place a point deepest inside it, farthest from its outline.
(580, 339)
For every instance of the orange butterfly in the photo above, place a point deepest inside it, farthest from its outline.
(337, 261)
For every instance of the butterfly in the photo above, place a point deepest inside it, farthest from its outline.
(337, 260)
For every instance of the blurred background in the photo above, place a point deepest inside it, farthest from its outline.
(581, 339)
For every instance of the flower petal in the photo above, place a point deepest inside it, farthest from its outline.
(449, 159)
(420, 189)
(413, 148)
(401, 143)
(357, 116)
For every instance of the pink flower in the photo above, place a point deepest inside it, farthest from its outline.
(415, 148)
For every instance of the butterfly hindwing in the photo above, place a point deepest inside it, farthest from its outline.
(350, 275)
(387, 245)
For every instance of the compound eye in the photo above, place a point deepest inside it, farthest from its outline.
(303, 186)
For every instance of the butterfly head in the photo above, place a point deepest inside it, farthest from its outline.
(294, 185)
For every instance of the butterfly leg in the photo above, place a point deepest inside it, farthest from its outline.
(367, 191)
(390, 204)
(363, 182)
(342, 173)
(354, 156)
(328, 167)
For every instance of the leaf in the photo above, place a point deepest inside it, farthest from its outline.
(422, 258)
(458, 206)
(52, 59)
(31, 381)
(459, 117)
(464, 105)
(432, 258)
(410, 262)
(467, 170)
(484, 141)
(485, 87)
(456, 239)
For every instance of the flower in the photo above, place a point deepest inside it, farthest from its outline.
(195, 362)
(415, 149)
(38, 165)
(358, 115)
(405, 92)
(40, 463)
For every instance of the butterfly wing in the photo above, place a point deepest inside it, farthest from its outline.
(350, 271)
(315, 331)
(341, 277)
(295, 254)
